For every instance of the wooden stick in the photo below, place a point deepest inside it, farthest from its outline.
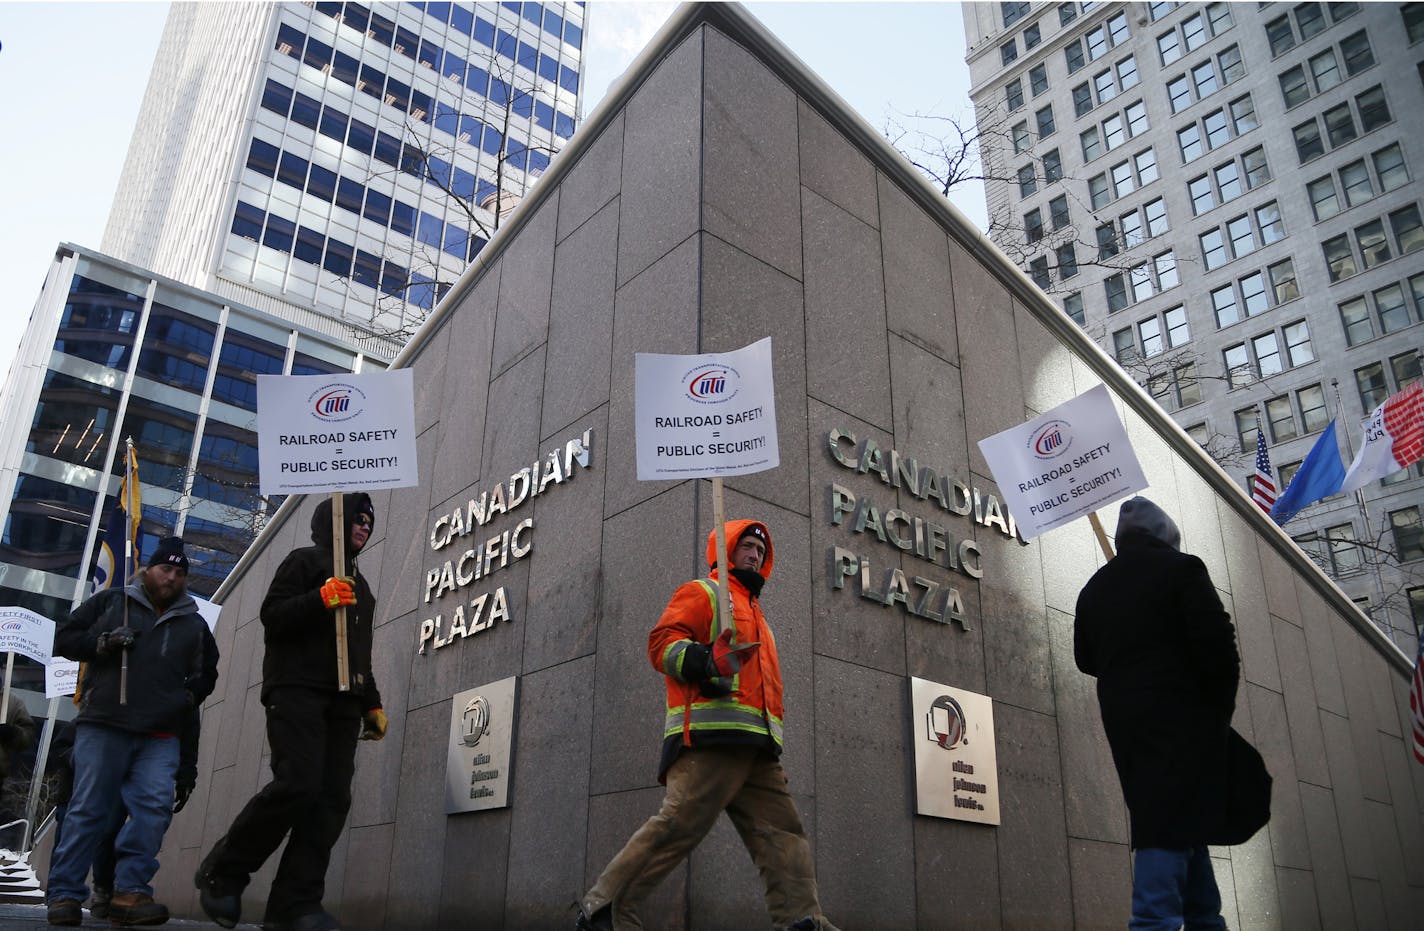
(123, 583)
(338, 558)
(9, 674)
(1101, 534)
(724, 569)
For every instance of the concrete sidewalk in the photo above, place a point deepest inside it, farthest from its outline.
(32, 918)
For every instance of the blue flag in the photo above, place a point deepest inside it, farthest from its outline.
(1319, 476)
(110, 565)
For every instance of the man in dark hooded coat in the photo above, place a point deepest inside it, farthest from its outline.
(1152, 629)
(312, 728)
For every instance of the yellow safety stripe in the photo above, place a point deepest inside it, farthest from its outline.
(720, 715)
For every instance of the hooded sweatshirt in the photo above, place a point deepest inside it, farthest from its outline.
(172, 665)
(299, 631)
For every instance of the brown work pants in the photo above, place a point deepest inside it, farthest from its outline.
(749, 785)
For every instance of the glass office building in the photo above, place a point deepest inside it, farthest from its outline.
(339, 164)
(1228, 197)
(114, 352)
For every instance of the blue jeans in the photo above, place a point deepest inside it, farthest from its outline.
(115, 770)
(1174, 887)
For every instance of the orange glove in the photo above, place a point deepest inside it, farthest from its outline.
(338, 591)
(727, 659)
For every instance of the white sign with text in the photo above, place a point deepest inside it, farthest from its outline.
(341, 432)
(705, 416)
(1071, 461)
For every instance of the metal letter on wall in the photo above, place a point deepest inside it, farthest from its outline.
(482, 722)
(956, 769)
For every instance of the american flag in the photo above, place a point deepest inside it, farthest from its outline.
(1263, 487)
(1416, 703)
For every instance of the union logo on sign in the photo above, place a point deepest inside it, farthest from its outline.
(712, 384)
(333, 403)
(1051, 440)
(12, 626)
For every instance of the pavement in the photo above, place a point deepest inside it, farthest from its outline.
(32, 918)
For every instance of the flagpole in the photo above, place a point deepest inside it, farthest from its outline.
(127, 490)
(1359, 494)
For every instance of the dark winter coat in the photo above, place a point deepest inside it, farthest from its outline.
(173, 663)
(1152, 629)
(299, 631)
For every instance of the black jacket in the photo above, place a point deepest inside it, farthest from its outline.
(1152, 629)
(173, 664)
(299, 630)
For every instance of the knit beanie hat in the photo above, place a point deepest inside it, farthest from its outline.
(169, 552)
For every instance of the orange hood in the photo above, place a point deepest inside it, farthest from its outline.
(734, 530)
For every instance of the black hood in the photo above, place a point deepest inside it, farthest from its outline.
(352, 503)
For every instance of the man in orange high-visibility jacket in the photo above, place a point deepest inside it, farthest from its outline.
(721, 749)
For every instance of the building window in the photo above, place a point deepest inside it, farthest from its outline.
(1013, 12)
(1213, 248)
(1390, 168)
(1268, 218)
(1014, 94)
(1115, 288)
(1294, 87)
(1019, 132)
(1067, 261)
(1179, 93)
(1324, 71)
(1253, 294)
(1370, 382)
(1408, 229)
(1033, 226)
(1223, 301)
(1124, 347)
(1339, 258)
(1008, 51)
(1374, 111)
(1355, 179)
(1098, 193)
(1355, 318)
(1107, 241)
(1258, 172)
(1374, 246)
(1392, 310)
(1280, 35)
(1280, 419)
(1408, 533)
(1165, 266)
(1200, 191)
(1073, 307)
(1067, 12)
(1038, 79)
(1238, 369)
(1176, 320)
(1339, 125)
(1150, 332)
(1045, 122)
(1313, 415)
(1156, 213)
(1413, 14)
(1032, 36)
(1092, 145)
(1308, 144)
(1283, 283)
(1357, 52)
(1268, 354)
(1298, 348)
(1309, 20)
(1344, 551)
(1243, 238)
(1189, 141)
(1058, 211)
(1027, 182)
(1082, 100)
(1073, 53)
(1323, 201)
(1243, 114)
(1246, 429)
(1052, 166)
(1416, 595)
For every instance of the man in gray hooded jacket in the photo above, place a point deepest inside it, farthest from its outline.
(151, 660)
(1152, 629)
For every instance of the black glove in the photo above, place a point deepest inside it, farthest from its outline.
(9, 733)
(120, 638)
(181, 792)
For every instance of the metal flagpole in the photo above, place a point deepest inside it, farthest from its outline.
(128, 555)
(1359, 494)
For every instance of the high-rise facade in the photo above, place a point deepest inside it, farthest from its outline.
(114, 352)
(1227, 196)
(338, 164)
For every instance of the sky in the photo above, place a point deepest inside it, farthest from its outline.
(76, 74)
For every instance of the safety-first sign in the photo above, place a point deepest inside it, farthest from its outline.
(27, 633)
(1064, 464)
(342, 432)
(705, 416)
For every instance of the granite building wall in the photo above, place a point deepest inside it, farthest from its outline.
(723, 195)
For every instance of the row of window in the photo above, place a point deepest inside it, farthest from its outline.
(1114, 131)
(1133, 228)
(354, 196)
(1206, 78)
(1282, 422)
(1097, 42)
(1228, 181)
(1340, 124)
(1141, 281)
(1351, 185)
(1369, 245)
(340, 258)
(1339, 552)
(1123, 178)
(1254, 293)
(1033, 33)
(1267, 354)
(1152, 336)
(1216, 128)
(1309, 22)
(422, 106)
(1322, 70)
(1194, 32)
(1106, 85)
(1383, 311)
(1241, 236)
(426, 52)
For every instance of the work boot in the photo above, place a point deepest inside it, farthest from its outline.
(312, 921)
(65, 912)
(808, 923)
(135, 908)
(99, 902)
(221, 903)
(600, 920)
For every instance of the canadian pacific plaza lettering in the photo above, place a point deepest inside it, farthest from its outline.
(925, 539)
(486, 609)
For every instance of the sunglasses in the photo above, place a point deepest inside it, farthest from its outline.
(363, 521)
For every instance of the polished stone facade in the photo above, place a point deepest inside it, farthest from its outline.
(722, 195)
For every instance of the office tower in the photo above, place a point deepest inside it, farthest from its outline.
(112, 352)
(338, 164)
(1227, 197)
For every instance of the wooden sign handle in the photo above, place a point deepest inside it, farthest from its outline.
(338, 558)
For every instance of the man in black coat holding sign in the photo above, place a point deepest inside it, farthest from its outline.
(1152, 630)
(312, 727)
